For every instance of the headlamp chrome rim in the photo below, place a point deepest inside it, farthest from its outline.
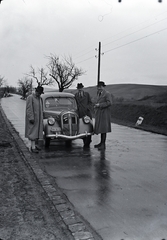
(51, 121)
(86, 119)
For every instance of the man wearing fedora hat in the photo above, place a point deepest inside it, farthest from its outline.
(102, 114)
(34, 118)
(84, 108)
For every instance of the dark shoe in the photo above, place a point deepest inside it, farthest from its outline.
(97, 145)
(34, 150)
(38, 148)
(102, 146)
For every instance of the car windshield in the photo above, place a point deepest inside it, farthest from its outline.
(60, 103)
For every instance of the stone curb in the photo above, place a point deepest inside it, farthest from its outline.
(79, 228)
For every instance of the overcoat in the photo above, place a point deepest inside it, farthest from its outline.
(34, 112)
(103, 113)
(84, 104)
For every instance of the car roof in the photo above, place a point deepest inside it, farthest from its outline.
(56, 94)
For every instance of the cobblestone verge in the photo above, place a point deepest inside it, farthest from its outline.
(32, 205)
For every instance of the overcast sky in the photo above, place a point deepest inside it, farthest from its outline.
(133, 36)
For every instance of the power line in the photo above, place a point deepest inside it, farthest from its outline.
(84, 53)
(126, 44)
(123, 36)
(134, 32)
(137, 25)
(136, 40)
(85, 60)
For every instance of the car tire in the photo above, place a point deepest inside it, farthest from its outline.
(68, 143)
(47, 142)
(87, 140)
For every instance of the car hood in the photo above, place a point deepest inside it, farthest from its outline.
(55, 114)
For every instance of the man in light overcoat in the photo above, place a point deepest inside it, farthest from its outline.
(102, 114)
(34, 118)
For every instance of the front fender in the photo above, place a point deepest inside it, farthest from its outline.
(47, 128)
(85, 127)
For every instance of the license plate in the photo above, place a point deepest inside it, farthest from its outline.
(53, 129)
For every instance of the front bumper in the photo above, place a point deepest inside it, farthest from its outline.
(61, 136)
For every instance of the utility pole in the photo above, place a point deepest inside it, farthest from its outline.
(99, 55)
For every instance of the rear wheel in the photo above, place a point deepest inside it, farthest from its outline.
(47, 142)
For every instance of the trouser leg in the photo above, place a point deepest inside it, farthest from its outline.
(87, 140)
(103, 137)
(33, 147)
(103, 141)
(33, 144)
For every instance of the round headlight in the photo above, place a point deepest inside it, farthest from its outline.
(51, 121)
(86, 119)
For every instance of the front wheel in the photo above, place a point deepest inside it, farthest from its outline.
(68, 143)
(47, 142)
(87, 140)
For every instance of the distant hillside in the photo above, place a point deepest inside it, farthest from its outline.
(129, 91)
(136, 91)
(148, 101)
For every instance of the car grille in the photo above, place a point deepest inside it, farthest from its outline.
(69, 123)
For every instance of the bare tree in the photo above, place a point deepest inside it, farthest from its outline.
(25, 85)
(63, 72)
(41, 76)
(1, 80)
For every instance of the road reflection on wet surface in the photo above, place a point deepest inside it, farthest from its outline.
(121, 191)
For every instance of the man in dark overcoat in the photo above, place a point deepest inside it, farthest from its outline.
(84, 104)
(102, 114)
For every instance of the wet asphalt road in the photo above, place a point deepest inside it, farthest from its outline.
(121, 191)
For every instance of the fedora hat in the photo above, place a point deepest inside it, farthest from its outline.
(80, 85)
(100, 83)
(39, 89)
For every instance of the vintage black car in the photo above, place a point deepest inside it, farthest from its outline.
(61, 121)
